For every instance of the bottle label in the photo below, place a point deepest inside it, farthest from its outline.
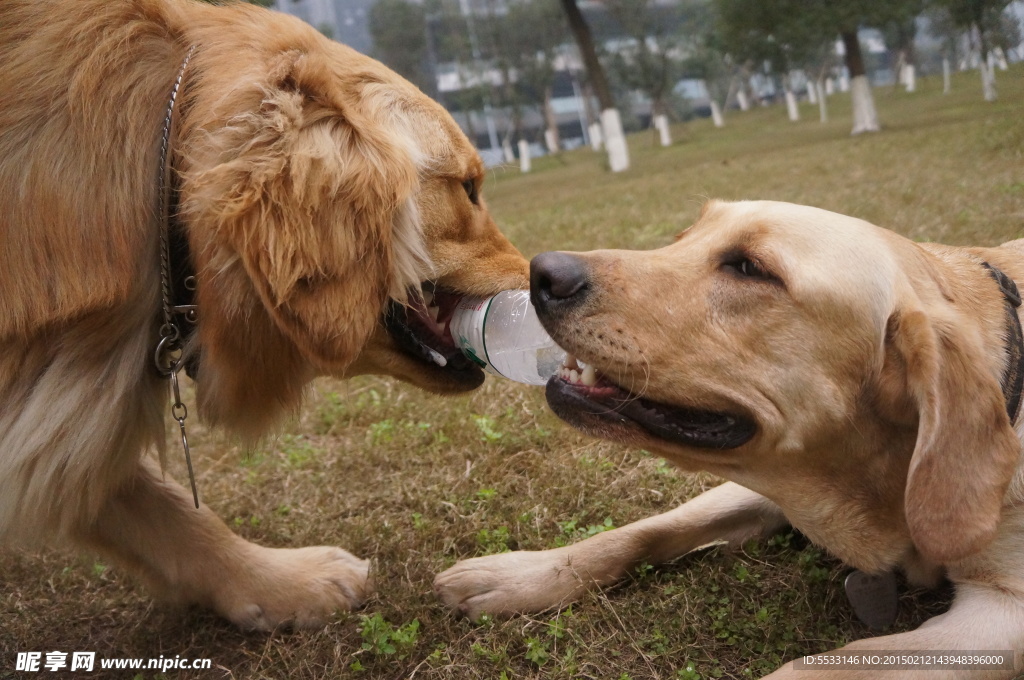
(468, 330)
(470, 354)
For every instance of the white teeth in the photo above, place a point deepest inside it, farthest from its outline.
(438, 359)
(428, 297)
(577, 372)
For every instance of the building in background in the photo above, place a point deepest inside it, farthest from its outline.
(343, 20)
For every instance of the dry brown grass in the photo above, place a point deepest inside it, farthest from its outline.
(416, 482)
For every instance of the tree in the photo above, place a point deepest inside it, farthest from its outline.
(784, 29)
(982, 21)
(709, 60)
(651, 61)
(786, 34)
(611, 121)
(847, 17)
(535, 30)
(399, 31)
(900, 33)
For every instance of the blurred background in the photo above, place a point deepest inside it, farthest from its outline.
(541, 71)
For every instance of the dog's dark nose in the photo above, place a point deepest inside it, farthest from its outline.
(557, 279)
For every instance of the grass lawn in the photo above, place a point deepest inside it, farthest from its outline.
(416, 482)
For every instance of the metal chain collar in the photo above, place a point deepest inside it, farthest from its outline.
(167, 356)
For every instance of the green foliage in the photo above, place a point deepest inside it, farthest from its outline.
(399, 31)
(571, 532)
(380, 638)
(537, 650)
(493, 541)
(488, 430)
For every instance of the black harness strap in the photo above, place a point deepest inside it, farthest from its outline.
(1013, 376)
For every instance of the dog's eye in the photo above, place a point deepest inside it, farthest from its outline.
(470, 187)
(747, 268)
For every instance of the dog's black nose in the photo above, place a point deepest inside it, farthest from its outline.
(556, 279)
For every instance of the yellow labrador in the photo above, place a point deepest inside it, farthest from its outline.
(847, 381)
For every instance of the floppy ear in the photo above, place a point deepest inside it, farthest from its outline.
(301, 215)
(316, 200)
(966, 450)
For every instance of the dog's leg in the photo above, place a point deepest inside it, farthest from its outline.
(983, 619)
(533, 581)
(190, 556)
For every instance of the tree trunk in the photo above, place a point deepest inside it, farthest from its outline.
(614, 140)
(581, 31)
(611, 122)
(905, 34)
(716, 114)
(988, 81)
(910, 77)
(791, 107)
(822, 101)
(985, 66)
(524, 156)
(865, 117)
(506, 149)
(854, 57)
(742, 99)
(551, 133)
(661, 125)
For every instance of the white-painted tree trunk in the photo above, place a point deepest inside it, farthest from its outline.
(812, 92)
(844, 83)
(830, 87)
(596, 139)
(1000, 58)
(615, 140)
(661, 125)
(791, 108)
(865, 117)
(742, 99)
(506, 150)
(822, 102)
(551, 139)
(524, 156)
(910, 78)
(988, 81)
(716, 114)
(945, 76)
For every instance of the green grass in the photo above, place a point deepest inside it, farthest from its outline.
(416, 482)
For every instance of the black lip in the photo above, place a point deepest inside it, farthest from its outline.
(413, 338)
(615, 414)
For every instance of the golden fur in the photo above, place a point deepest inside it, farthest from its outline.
(316, 185)
(871, 367)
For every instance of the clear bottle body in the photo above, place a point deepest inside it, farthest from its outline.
(504, 336)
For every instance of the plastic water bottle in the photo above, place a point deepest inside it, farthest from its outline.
(502, 335)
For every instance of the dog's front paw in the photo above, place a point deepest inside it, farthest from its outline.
(510, 583)
(300, 588)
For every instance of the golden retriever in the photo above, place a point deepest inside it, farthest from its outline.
(318, 192)
(846, 380)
